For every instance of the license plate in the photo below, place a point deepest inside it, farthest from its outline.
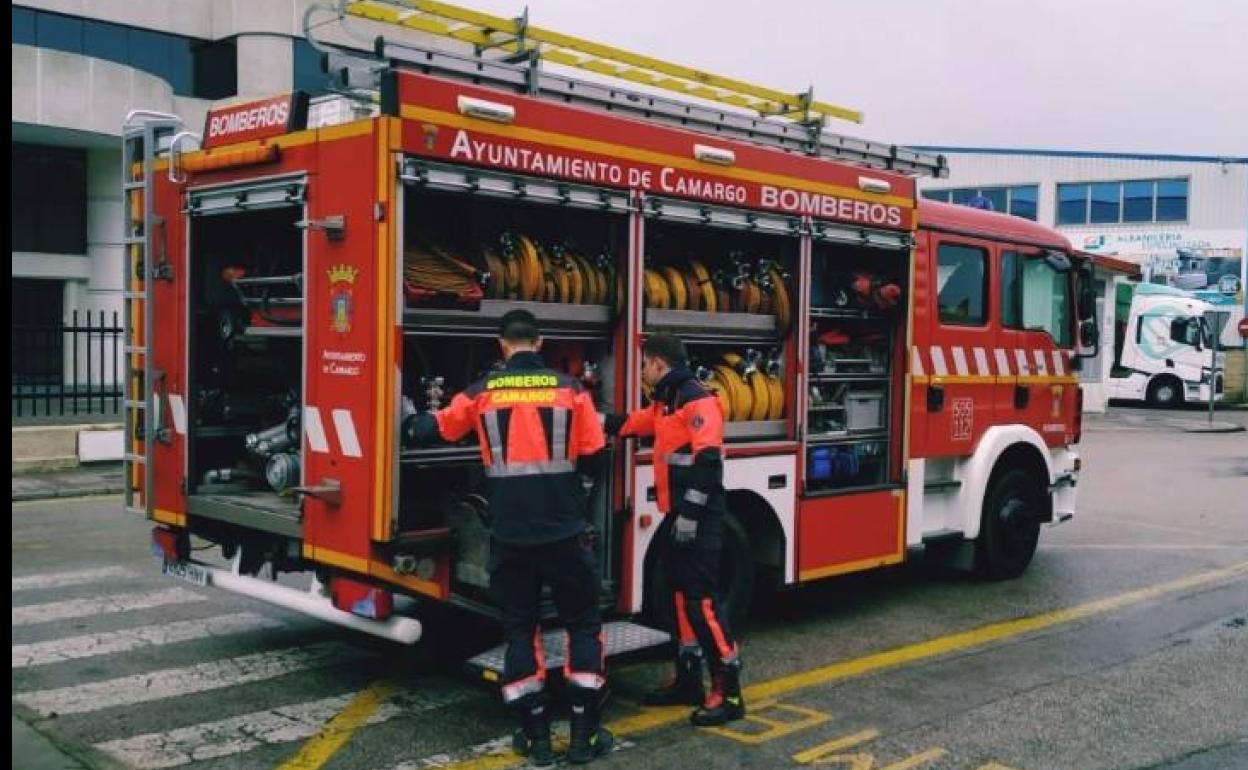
(182, 570)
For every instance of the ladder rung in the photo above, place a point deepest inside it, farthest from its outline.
(134, 241)
(135, 404)
(132, 185)
(133, 458)
(134, 295)
(134, 350)
(136, 511)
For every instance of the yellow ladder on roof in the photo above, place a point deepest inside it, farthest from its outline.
(485, 31)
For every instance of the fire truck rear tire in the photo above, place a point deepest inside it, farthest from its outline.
(736, 578)
(1010, 528)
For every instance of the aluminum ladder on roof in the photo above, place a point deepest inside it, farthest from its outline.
(144, 136)
(750, 113)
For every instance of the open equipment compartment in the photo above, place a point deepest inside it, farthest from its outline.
(856, 338)
(245, 267)
(722, 280)
(481, 250)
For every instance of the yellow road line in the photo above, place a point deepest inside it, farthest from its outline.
(653, 718)
(321, 748)
(836, 744)
(918, 759)
(979, 637)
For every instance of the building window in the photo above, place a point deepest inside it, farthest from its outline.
(1019, 200)
(1143, 200)
(23, 26)
(216, 69)
(1171, 200)
(1104, 198)
(61, 33)
(308, 75)
(169, 57)
(1137, 201)
(49, 199)
(962, 272)
(1072, 204)
(1023, 201)
(37, 353)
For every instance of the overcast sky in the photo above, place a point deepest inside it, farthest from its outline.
(1164, 76)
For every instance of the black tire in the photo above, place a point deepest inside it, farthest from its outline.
(736, 578)
(1010, 525)
(1165, 392)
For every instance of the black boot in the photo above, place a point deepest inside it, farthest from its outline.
(685, 688)
(532, 740)
(589, 738)
(724, 704)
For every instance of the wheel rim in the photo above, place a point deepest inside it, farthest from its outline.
(1165, 394)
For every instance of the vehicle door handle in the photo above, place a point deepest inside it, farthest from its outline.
(328, 490)
(935, 398)
(1022, 396)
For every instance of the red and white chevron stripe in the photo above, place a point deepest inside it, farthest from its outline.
(344, 426)
(952, 360)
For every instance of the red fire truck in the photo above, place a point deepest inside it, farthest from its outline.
(896, 373)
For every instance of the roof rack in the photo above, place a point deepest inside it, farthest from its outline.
(793, 122)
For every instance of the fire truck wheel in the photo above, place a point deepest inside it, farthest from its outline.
(1165, 392)
(736, 578)
(1011, 525)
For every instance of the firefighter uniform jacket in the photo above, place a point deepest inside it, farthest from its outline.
(688, 429)
(537, 427)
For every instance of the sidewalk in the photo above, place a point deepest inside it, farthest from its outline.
(94, 479)
(32, 751)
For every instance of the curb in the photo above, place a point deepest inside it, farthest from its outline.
(27, 495)
(1204, 427)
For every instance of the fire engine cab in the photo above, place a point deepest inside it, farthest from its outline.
(895, 373)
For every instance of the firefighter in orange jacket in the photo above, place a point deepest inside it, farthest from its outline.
(539, 435)
(687, 424)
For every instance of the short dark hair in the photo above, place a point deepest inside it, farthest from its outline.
(666, 347)
(519, 326)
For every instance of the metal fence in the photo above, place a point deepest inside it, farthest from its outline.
(69, 369)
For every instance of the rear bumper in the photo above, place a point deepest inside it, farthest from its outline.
(312, 602)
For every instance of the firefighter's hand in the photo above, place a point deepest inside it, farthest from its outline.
(612, 423)
(684, 530)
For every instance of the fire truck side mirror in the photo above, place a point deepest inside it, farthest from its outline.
(1089, 335)
(1087, 297)
(1085, 305)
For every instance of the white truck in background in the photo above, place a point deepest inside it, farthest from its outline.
(1162, 347)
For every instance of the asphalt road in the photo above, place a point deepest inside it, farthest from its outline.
(1125, 646)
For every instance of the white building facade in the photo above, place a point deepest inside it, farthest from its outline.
(1183, 220)
(78, 68)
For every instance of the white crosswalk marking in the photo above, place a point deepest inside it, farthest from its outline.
(62, 579)
(91, 645)
(78, 608)
(229, 737)
(215, 675)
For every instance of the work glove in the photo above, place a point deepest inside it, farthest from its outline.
(612, 423)
(684, 530)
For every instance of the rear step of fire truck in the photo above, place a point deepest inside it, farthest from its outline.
(524, 47)
(619, 638)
